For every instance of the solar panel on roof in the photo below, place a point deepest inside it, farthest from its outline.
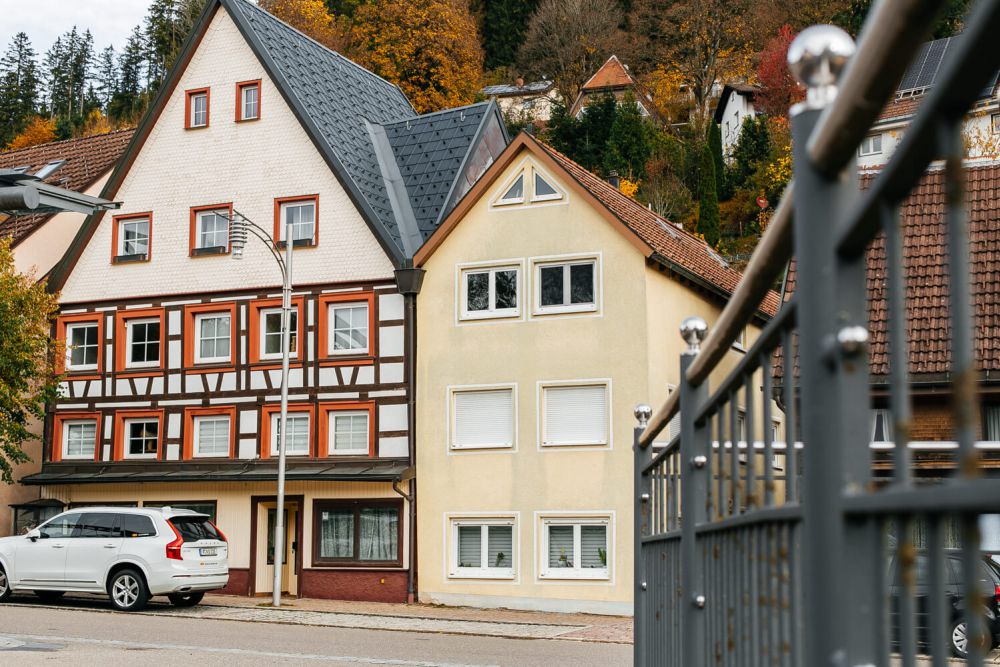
(912, 73)
(987, 91)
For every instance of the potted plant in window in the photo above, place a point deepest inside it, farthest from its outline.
(603, 555)
(563, 560)
(501, 556)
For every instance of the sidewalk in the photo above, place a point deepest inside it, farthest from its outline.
(412, 618)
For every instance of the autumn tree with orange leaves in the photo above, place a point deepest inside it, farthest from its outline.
(429, 48)
(39, 131)
(312, 18)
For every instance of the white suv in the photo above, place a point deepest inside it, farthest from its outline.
(130, 554)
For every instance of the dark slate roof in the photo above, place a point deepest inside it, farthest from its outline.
(87, 159)
(338, 96)
(429, 151)
(507, 90)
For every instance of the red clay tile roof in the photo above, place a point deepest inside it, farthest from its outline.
(901, 108)
(925, 258)
(612, 73)
(677, 249)
(87, 159)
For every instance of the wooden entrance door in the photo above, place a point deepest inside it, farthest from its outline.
(265, 518)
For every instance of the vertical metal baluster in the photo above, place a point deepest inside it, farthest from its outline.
(937, 603)
(899, 359)
(734, 455)
(720, 464)
(971, 564)
(906, 578)
(767, 427)
(791, 428)
(750, 492)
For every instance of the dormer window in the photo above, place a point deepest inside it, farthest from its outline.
(247, 100)
(196, 108)
(515, 193)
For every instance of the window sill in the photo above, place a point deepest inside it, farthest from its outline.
(468, 317)
(247, 120)
(482, 448)
(274, 364)
(575, 575)
(89, 374)
(209, 251)
(546, 311)
(347, 360)
(298, 243)
(196, 127)
(220, 367)
(504, 575)
(129, 259)
(140, 372)
(366, 565)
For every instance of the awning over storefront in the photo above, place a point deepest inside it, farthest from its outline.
(100, 473)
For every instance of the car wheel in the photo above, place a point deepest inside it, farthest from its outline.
(49, 596)
(128, 591)
(960, 640)
(4, 585)
(185, 599)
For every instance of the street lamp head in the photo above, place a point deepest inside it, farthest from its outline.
(817, 57)
(237, 234)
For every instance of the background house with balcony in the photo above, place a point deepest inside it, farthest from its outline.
(550, 307)
(39, 241)
(528, 101)
(171, 393)
(981, 129)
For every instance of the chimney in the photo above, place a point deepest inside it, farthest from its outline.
(614, 179)
(520, 82)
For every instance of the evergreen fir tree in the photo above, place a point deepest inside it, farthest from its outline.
(20, 87)
(708, 207)
(504, 24)
(106, 76)
(128, 100)
(628, 148)
(751, 150)
(721, 177)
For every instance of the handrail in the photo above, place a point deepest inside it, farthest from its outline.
(887, 46)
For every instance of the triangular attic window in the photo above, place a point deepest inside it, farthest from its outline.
(515, 193)
(543, 190)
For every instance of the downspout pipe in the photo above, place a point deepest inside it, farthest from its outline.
(408, 282)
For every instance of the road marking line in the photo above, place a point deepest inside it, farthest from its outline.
(240, 651)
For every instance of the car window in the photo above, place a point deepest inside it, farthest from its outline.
(61, 526)
(194, 528)
(136, 525)
(97, 524)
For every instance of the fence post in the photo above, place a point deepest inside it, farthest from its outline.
(640, 514)
(695, 471)
(834, 375)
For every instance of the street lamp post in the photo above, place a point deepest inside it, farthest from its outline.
(239, 229)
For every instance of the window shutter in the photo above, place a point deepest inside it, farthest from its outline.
(561, 546)
(593, 541)
(500, 540)
(576, 415)
(469, 546)
(992, 422)
(484, 418)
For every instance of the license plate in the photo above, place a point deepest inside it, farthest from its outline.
(208, 552)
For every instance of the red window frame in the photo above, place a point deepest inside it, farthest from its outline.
(116, 222)
(239, 100)
(118, 435)
(55, 454)
(188, 94)
(278, 201)
(187, 444)
(121, 341)
(323, 427)
(193, 230)
(61, 322)
(267, 411)
(323, 327)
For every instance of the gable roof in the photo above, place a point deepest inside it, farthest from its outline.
(513, 90)
(925, 253)
(87, 160)
(337, 102)
(745, 89)
(679, 252)
(612, 74)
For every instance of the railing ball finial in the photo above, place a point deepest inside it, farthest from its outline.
(642, 414)
(693, 331)
(817, 57)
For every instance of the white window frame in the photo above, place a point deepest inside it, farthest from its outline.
(121, 236)
(740, 344)
(198, 359)
(193, 104)
(199, 229)
(127, 427)
(69, 351)
(538, 263)
(293, 338)
(331, 430)
(66, 425)
(332, 331)
(292, 414)
(243, 101)
(867, 146)
(535, 197)
(492, 312)
(502, 201)
(129, 327)
(456, 571)
(283, 213)
(576, 572)
(887, 425)
(995, 123)
(452, 415)
(196, 436)
(543, 443)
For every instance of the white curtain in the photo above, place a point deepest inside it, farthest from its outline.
(379, 533)
(337, 534)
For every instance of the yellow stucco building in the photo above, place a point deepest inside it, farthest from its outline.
(550, 307)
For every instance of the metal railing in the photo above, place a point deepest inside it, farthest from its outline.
(751, 551)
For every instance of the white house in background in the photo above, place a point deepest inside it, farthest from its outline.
(533, 101)
(735, 106)
(981, 128)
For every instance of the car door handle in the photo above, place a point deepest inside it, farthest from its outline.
(109, 546)
(58, 546)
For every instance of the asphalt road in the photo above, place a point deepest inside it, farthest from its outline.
(31, 634)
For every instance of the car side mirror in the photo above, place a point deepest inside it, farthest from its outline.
(33, 534)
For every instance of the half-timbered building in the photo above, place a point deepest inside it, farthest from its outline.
(172, 369)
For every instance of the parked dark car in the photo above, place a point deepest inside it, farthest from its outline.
(989, 587)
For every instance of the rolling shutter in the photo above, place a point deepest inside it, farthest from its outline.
(576, 415)
(469, 546)
(500, 544)
(593, 544)
(484, 418)
(561, 546)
